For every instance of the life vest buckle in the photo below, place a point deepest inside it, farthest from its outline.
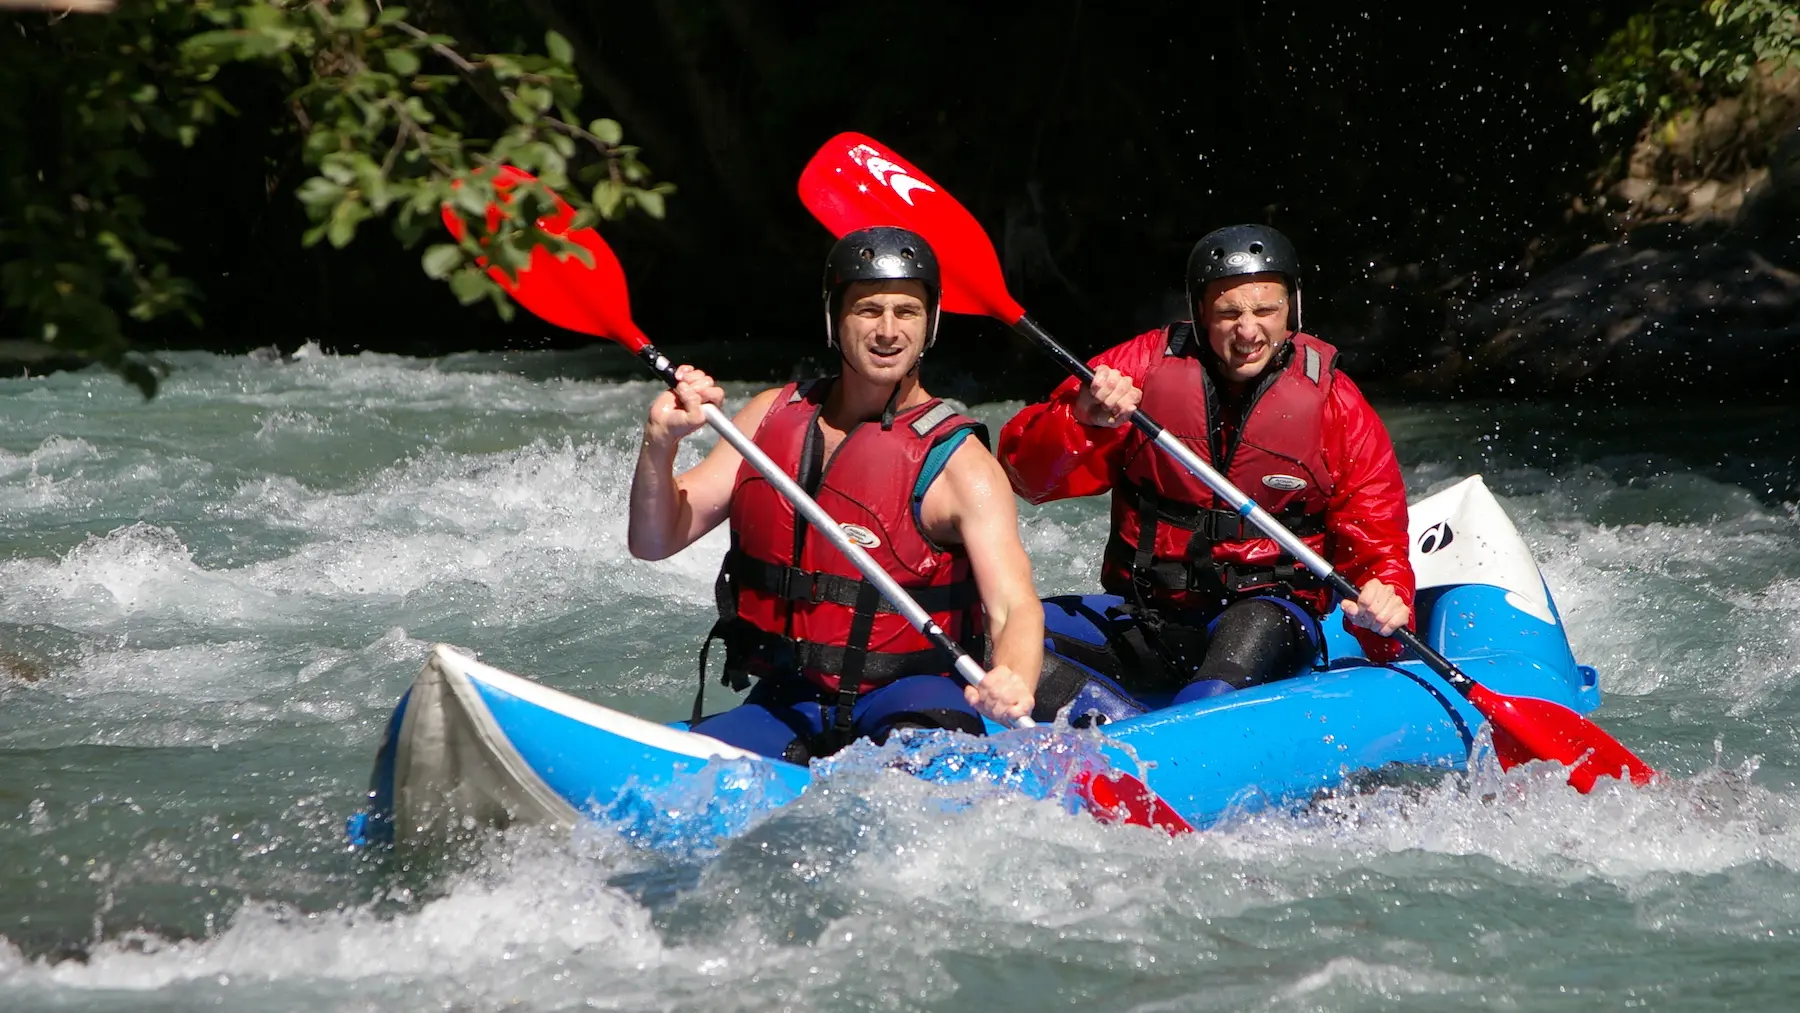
(801, 585)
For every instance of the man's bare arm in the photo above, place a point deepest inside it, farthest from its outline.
(972, 503)
(668, 513)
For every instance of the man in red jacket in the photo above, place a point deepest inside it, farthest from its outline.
(1200, 602)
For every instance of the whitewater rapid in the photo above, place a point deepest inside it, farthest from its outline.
(209, 604)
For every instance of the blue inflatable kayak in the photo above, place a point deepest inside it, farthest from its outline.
(471, 746)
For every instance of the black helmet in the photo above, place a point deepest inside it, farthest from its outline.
(882, 253)
(1243, 249)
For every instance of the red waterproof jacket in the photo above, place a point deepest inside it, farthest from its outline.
(789, 600)
(1354, 513)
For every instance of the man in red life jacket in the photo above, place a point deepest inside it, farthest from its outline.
(895, 467)
(1200, 603)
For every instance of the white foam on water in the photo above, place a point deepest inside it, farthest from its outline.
(68, 479)
(540, 526)
(137, 569)
(53, 452)
(1530, 820)
(277, 425)
(883, 891)
(1345, 977)
(919, 886)
(550, 909)
(1766, 646)
(207, 694)
(543, 522)
(537, 930)
(1064, 543)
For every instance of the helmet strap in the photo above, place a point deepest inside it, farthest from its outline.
(887, 412)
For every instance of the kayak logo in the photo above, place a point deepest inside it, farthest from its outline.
(887, 173)
(860, 535)
(1436, 537)
(1286, 483)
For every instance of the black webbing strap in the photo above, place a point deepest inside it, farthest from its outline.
(1143, 554)
(1203, 574)
(883, 667)
(725, 600)
(1211, 524)
(795, 584)
(855, 664)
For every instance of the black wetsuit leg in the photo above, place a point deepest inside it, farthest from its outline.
(1256, 641)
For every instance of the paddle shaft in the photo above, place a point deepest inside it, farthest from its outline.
(965, 666)
(1247, 507)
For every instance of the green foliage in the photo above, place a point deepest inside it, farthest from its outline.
(381, 113)
(1685, 54)
(84, 97)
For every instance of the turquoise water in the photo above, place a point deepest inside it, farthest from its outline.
(209, 604)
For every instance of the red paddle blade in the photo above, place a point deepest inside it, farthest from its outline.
(1122, 798)
(855, 182)
(1527, 729)
(564, 292)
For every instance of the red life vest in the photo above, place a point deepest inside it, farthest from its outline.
(1174, 541)
(789, 601)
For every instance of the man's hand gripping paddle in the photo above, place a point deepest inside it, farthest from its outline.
(854, 182)
(593, 300)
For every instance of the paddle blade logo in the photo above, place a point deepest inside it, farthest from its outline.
(888, 174)
(860, 535)
(1285, 483)
(1436, 537)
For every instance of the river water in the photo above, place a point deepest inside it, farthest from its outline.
(209, 604)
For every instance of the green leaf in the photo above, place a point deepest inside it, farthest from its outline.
(344, 219)
(471, 201)
(509, 257)
(355, 15)
(340, 169)
(403, 62)
(559, 48)
(607, 197)
(609, 131)
(441, 259)
(651, 202)
(469, 285)
(539, 99)
(318, 193)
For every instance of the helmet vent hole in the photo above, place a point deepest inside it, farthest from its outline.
(1256, 248)
(907, 252)
(1218, 253)
(868, 253)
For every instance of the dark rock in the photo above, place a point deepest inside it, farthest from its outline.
(1721, 317)
(34, 358)
(1705, 308)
